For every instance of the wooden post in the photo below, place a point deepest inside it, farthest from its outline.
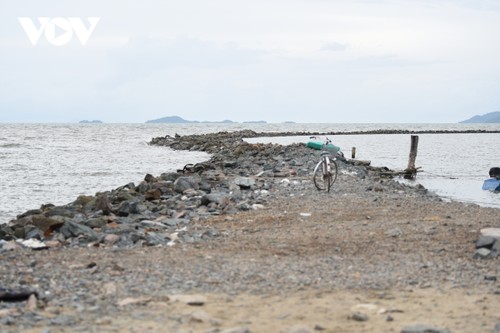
(353, 152)
(411, 171)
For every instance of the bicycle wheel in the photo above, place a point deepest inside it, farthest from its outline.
(322, 178)
(333, 173)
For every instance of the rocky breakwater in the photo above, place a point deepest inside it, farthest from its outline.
(163, 210)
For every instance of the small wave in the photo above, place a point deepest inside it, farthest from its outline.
(96, 174)
(11, 145)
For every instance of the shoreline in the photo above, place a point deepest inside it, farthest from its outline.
(243, 242)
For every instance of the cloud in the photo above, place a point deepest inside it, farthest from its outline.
(334, 46)
(145, 56)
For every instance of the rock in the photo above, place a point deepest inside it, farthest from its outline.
(134, 301)
(30, 212)
(33, 232)
(299, 329)
(244, 183)
(358, 316)
(60, 211)
(182, 184)
(71, 229)
(396, 232)
(63, 320)
(8, 246)
(135, 206)
(496, 247)
(34, 244)
(153, 194)
(149, 178)
(111, 239)
(31, 305)
(97, 222)
(46, 224)
(485, 241)
(203, 317)
(194, 300)
(491, 232)
(216, 198)
(123, 195)
(173, 222)
(236, 330)
(423, 329)
(497, 328)
(482, 253)
(104, 204)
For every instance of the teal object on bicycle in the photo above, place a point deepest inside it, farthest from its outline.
(319, 146)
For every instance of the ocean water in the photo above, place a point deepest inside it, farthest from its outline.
(54, 163)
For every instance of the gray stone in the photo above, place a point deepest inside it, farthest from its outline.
(496, 247)
(71, 229)
(358, 316)
(153, 238)
(132, 207)
(423, 329)
(33, 232)
(174, 222)
(63, 320)
(212, 197)
(482, 253)
(30, 212)
(171, 176)
(97, 222)
(60, 211)
(485, 241)
(182, 184)
(396, 232)
(123, 195)
(244, 182)
(497, 328)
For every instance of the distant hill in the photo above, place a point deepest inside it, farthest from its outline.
(90, 122)
(492, 117)
(179, 120)
(170, 120)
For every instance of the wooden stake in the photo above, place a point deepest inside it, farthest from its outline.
(411, 171)
(353, 152)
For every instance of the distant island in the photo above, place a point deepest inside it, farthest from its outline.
(179, 120)
(492, 117)
(90, 122)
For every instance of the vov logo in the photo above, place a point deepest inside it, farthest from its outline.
(58, 30)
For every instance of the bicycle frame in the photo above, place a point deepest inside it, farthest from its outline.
(325, 171)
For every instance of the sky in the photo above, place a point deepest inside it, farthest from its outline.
(307, 61)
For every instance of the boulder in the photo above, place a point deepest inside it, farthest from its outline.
(71, 229)
(182, 184)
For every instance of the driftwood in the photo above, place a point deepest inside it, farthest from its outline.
(412, 173)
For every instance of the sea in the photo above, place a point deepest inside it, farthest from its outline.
(55, 163)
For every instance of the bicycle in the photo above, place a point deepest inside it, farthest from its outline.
(326, 171)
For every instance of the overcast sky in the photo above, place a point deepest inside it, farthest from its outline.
(395, 61)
